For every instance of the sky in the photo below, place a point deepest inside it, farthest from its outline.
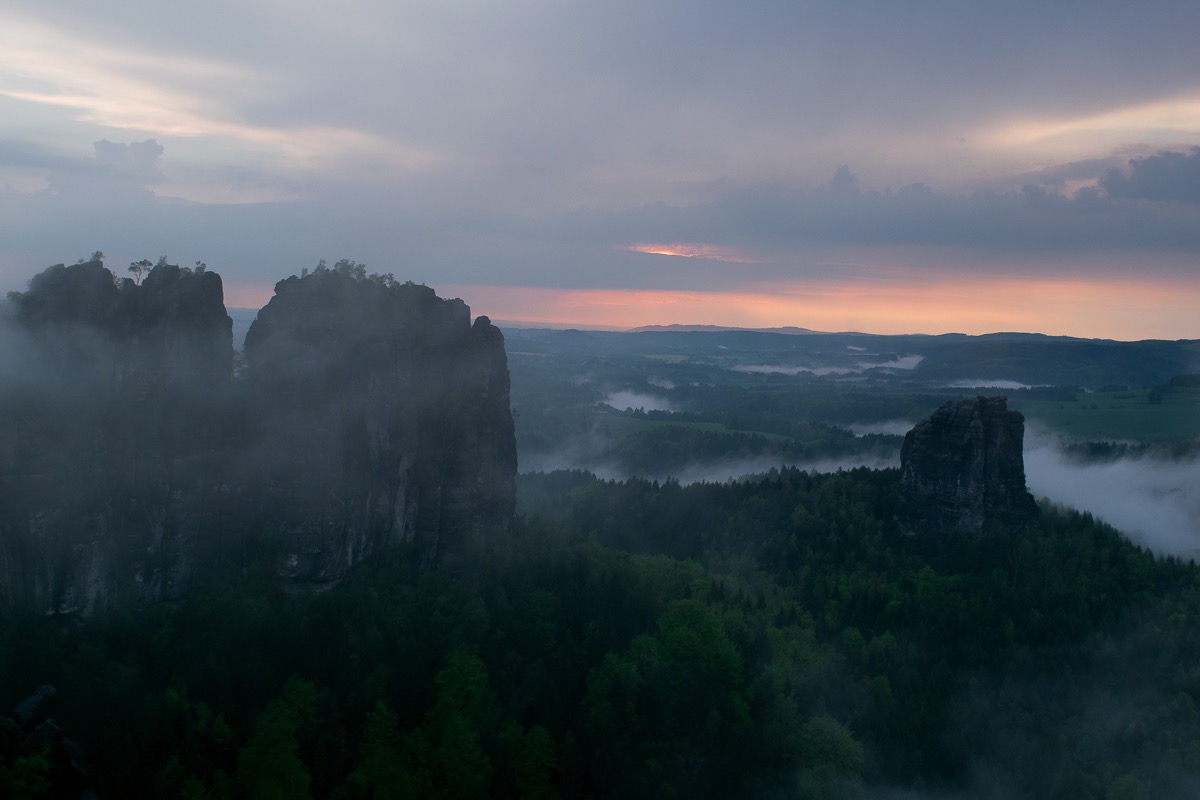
(929, 166)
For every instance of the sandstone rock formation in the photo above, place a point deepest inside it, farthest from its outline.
(370, 414)
(962, 466)
(111, 397)
(386, 420)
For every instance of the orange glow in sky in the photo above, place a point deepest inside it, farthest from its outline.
(1113, 309)
(691, 250)
(1125, 309)
(247, 296)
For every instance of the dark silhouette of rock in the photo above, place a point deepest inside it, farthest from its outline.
(369, 415)
(33, 709)
(387, 420)
(108, 452)
(963, 466)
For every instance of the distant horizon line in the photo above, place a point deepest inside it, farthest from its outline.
(790, 330)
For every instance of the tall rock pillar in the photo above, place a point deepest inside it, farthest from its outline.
(964, 465)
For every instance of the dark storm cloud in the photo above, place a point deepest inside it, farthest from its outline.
(1031, 217)
(780, 230)
(1168, 177)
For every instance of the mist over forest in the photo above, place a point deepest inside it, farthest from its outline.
(1155, 500)
(1146, 491)
(764, 400)
(360, 544)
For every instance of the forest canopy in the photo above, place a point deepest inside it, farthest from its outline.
(642, 639)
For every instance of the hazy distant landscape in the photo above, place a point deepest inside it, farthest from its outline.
(1107, 430)
(606, 401)
(358, 544)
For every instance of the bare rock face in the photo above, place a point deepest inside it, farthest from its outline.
(964, 465)
(110, 398)
(386, 420)
(370, 415)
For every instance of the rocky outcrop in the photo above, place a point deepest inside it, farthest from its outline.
(962, 466)
(386, 420)
(370, 415)
(108, 446)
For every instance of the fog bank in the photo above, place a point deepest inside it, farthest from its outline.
(1154, 501)
(699, 471)
(630, 399)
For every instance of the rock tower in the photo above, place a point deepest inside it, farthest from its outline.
(962, 466)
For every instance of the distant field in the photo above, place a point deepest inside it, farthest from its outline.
(1121, 415)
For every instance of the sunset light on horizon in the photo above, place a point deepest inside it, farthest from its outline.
(929, 168)
(1113, 310)
(543, 399)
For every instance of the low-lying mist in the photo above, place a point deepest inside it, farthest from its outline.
(1154, 501)
(989, 383)
(592, 455)
(894, 427)
(891, 363)
(630, 399)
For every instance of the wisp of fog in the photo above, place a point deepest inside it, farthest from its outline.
(630, 399)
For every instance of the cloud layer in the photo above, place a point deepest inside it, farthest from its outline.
(570, 147)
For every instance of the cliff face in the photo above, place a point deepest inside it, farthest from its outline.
(391, 414)
(962, 466)
(371, 414)
(107, 452)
